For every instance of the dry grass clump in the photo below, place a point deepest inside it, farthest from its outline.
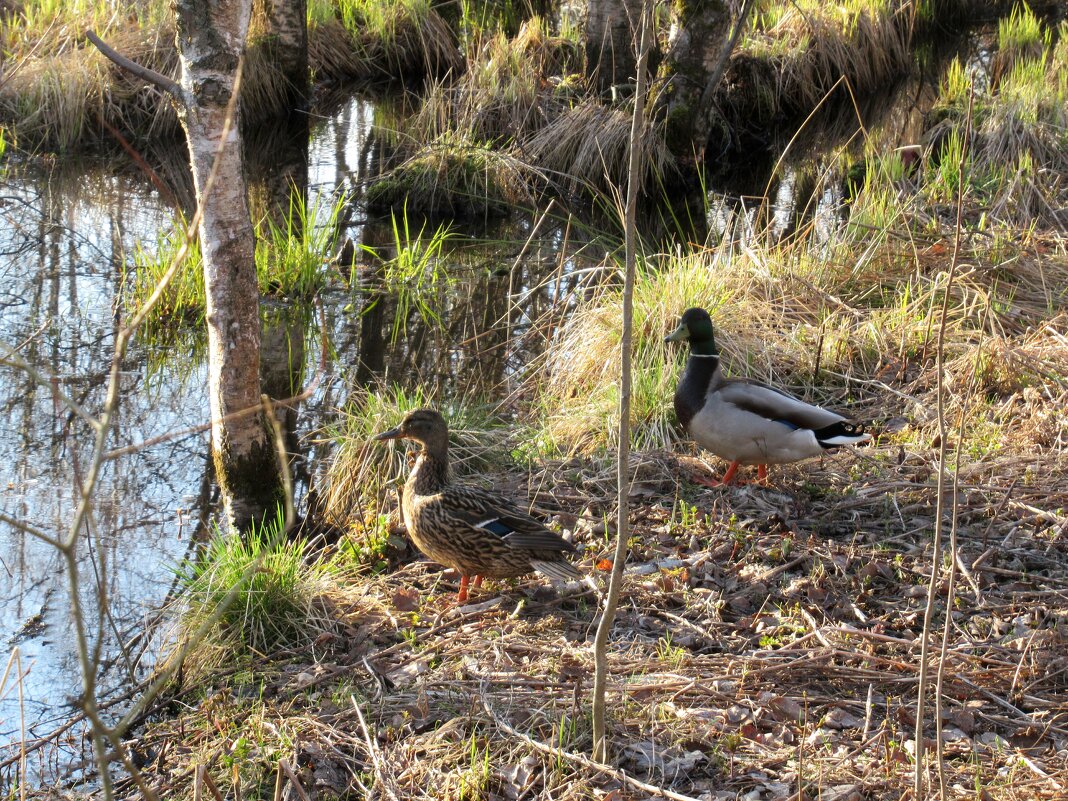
(815, 319)
(812, 46)
(64, 100)
(586, 149)
(375, 40)
(512, 87)
(1018, 154)
(63, 93)
(453, 177)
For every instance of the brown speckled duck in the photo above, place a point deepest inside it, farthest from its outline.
(477, 533)
(744, 421)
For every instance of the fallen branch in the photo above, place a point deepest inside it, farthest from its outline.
(585, 761)
(157, 79)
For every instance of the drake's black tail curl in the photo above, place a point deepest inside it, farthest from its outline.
(842, 433)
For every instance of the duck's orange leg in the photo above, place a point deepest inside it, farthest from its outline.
(477, 583)
(762, 474)
(711, 482)
(461, 597)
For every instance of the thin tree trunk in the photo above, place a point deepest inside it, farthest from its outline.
(211, 40)
(286, 23)
(700, 40)
(610, 26)
(604, 627)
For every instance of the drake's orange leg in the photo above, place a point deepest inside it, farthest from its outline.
(461, 597)
(477, 583)
(762, 473)
(711, 482)
(729, 475)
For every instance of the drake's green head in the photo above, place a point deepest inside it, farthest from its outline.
(423, 425)
(695, 327)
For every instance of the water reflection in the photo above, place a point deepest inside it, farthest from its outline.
(64, 240)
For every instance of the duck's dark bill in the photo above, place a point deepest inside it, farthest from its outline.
(679, 334)
(393, 433)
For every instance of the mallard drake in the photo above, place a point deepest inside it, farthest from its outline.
(477, 533)
(744, 421)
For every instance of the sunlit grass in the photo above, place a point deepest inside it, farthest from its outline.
(1023, 33)
(1017, 159)
(262, 589)
(183, 301)
(65, 20)
(810, 316)
(291, 260)
(416, 273)
(292, 255)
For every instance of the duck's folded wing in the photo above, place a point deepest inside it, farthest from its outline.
(497, 516)
(776, 405)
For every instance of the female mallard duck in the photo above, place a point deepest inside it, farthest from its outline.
(476, 533)
(744, 421)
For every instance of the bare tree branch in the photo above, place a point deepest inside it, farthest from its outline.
(157, 79)
(33, 531)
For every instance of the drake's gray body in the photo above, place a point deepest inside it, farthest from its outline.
(743, 421)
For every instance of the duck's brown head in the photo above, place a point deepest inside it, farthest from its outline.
(425, 426)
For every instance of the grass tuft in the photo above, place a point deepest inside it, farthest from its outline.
(453, 177)
(416, 274)
(184, 301)
(263, 590)
(291, 255)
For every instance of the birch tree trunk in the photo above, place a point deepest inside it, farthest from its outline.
(286, 23)
(211, 40)
(610, 27)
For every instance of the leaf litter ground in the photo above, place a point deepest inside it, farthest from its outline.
(767, 647)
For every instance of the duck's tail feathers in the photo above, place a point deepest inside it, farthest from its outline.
(560, 571)
(841, 433)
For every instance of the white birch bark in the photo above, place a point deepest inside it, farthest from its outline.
(211, 41)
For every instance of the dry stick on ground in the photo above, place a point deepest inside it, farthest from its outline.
(604, 627)
(936, 554)
(579, 759)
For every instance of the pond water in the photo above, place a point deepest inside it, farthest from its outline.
(66, 238)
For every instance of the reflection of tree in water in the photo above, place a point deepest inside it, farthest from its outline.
(64, 241)
(491, 317)
(276, 161)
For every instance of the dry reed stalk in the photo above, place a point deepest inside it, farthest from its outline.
(623, 476)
